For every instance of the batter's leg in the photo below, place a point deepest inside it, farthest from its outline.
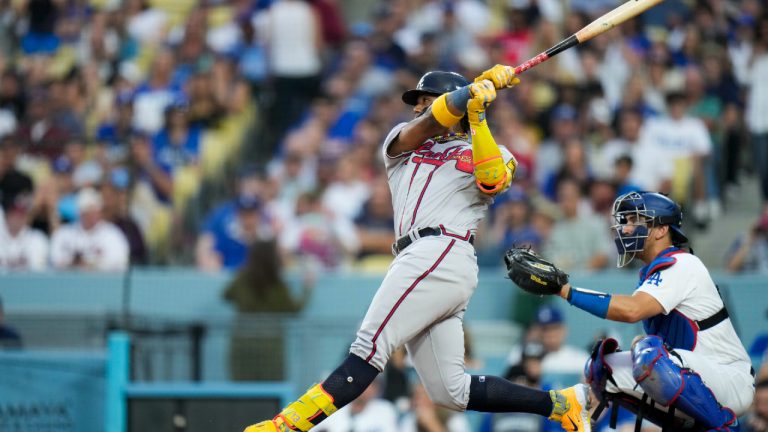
(341, 387)
(438, 356)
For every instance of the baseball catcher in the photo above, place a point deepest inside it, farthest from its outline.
(689, 371)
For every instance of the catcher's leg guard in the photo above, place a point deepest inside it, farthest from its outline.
(670, 385)
(597, 371)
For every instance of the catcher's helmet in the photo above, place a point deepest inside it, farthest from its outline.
(435, 83)
(653, 209)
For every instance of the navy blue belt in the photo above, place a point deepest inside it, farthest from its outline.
(403, 242)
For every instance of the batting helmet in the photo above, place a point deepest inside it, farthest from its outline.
(435, 83)
(655, 209)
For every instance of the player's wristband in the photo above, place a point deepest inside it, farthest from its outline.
(442, 114)
(459, 98)
(593, 302)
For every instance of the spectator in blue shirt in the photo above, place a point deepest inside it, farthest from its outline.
(227, 236)
(115, 133)
(178, 143)
(511, 227)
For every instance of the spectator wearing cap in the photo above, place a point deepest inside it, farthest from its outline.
(574, 166)
(38, 132)
(559, 358)
(511, 226)
(622, 171)
(578, 241)
(628, 124)
(177, 145)
(160, 90)
(251, 185)
(115, 193)
(86, 172)
(115, 133)
(225, 241)
(527, 372)
(23, 248)
(563, 125)
(92, 243)
(749, 251)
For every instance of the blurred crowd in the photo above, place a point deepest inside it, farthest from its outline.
(176, 132)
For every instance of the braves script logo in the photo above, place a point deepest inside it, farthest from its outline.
(461, 154)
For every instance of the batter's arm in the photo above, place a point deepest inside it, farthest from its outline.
(444, 112)
(492, 175)
(619, 307)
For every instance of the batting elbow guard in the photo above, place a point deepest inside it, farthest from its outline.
(491, 173)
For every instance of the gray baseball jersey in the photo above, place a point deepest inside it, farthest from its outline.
(422, 299)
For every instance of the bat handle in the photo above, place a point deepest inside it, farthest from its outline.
(531, 63)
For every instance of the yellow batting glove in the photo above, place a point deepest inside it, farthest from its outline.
(501, 76)
(482, 94)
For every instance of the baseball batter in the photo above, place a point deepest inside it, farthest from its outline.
(443, 169)
(690, 371)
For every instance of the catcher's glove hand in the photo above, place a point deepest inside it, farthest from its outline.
(533, 273)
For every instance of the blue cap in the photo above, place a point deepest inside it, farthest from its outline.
(120, 178)
(179, 103)
(124, 98)
(514, 194)
(564, 112)
(62, 164)
(245, 202)
(549, 315)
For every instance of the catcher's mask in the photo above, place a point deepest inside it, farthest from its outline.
(642, 211)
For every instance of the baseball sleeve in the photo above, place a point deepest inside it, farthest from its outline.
(669, 287)
(392, 161)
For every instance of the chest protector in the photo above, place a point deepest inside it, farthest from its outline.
(675, 329)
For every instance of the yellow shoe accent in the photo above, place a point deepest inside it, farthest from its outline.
(300, 415)
(570, 407)
(265, 426)
(277, 424)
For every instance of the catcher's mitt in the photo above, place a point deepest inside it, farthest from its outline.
(533, 273)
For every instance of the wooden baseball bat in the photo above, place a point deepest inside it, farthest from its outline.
(609, 20)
